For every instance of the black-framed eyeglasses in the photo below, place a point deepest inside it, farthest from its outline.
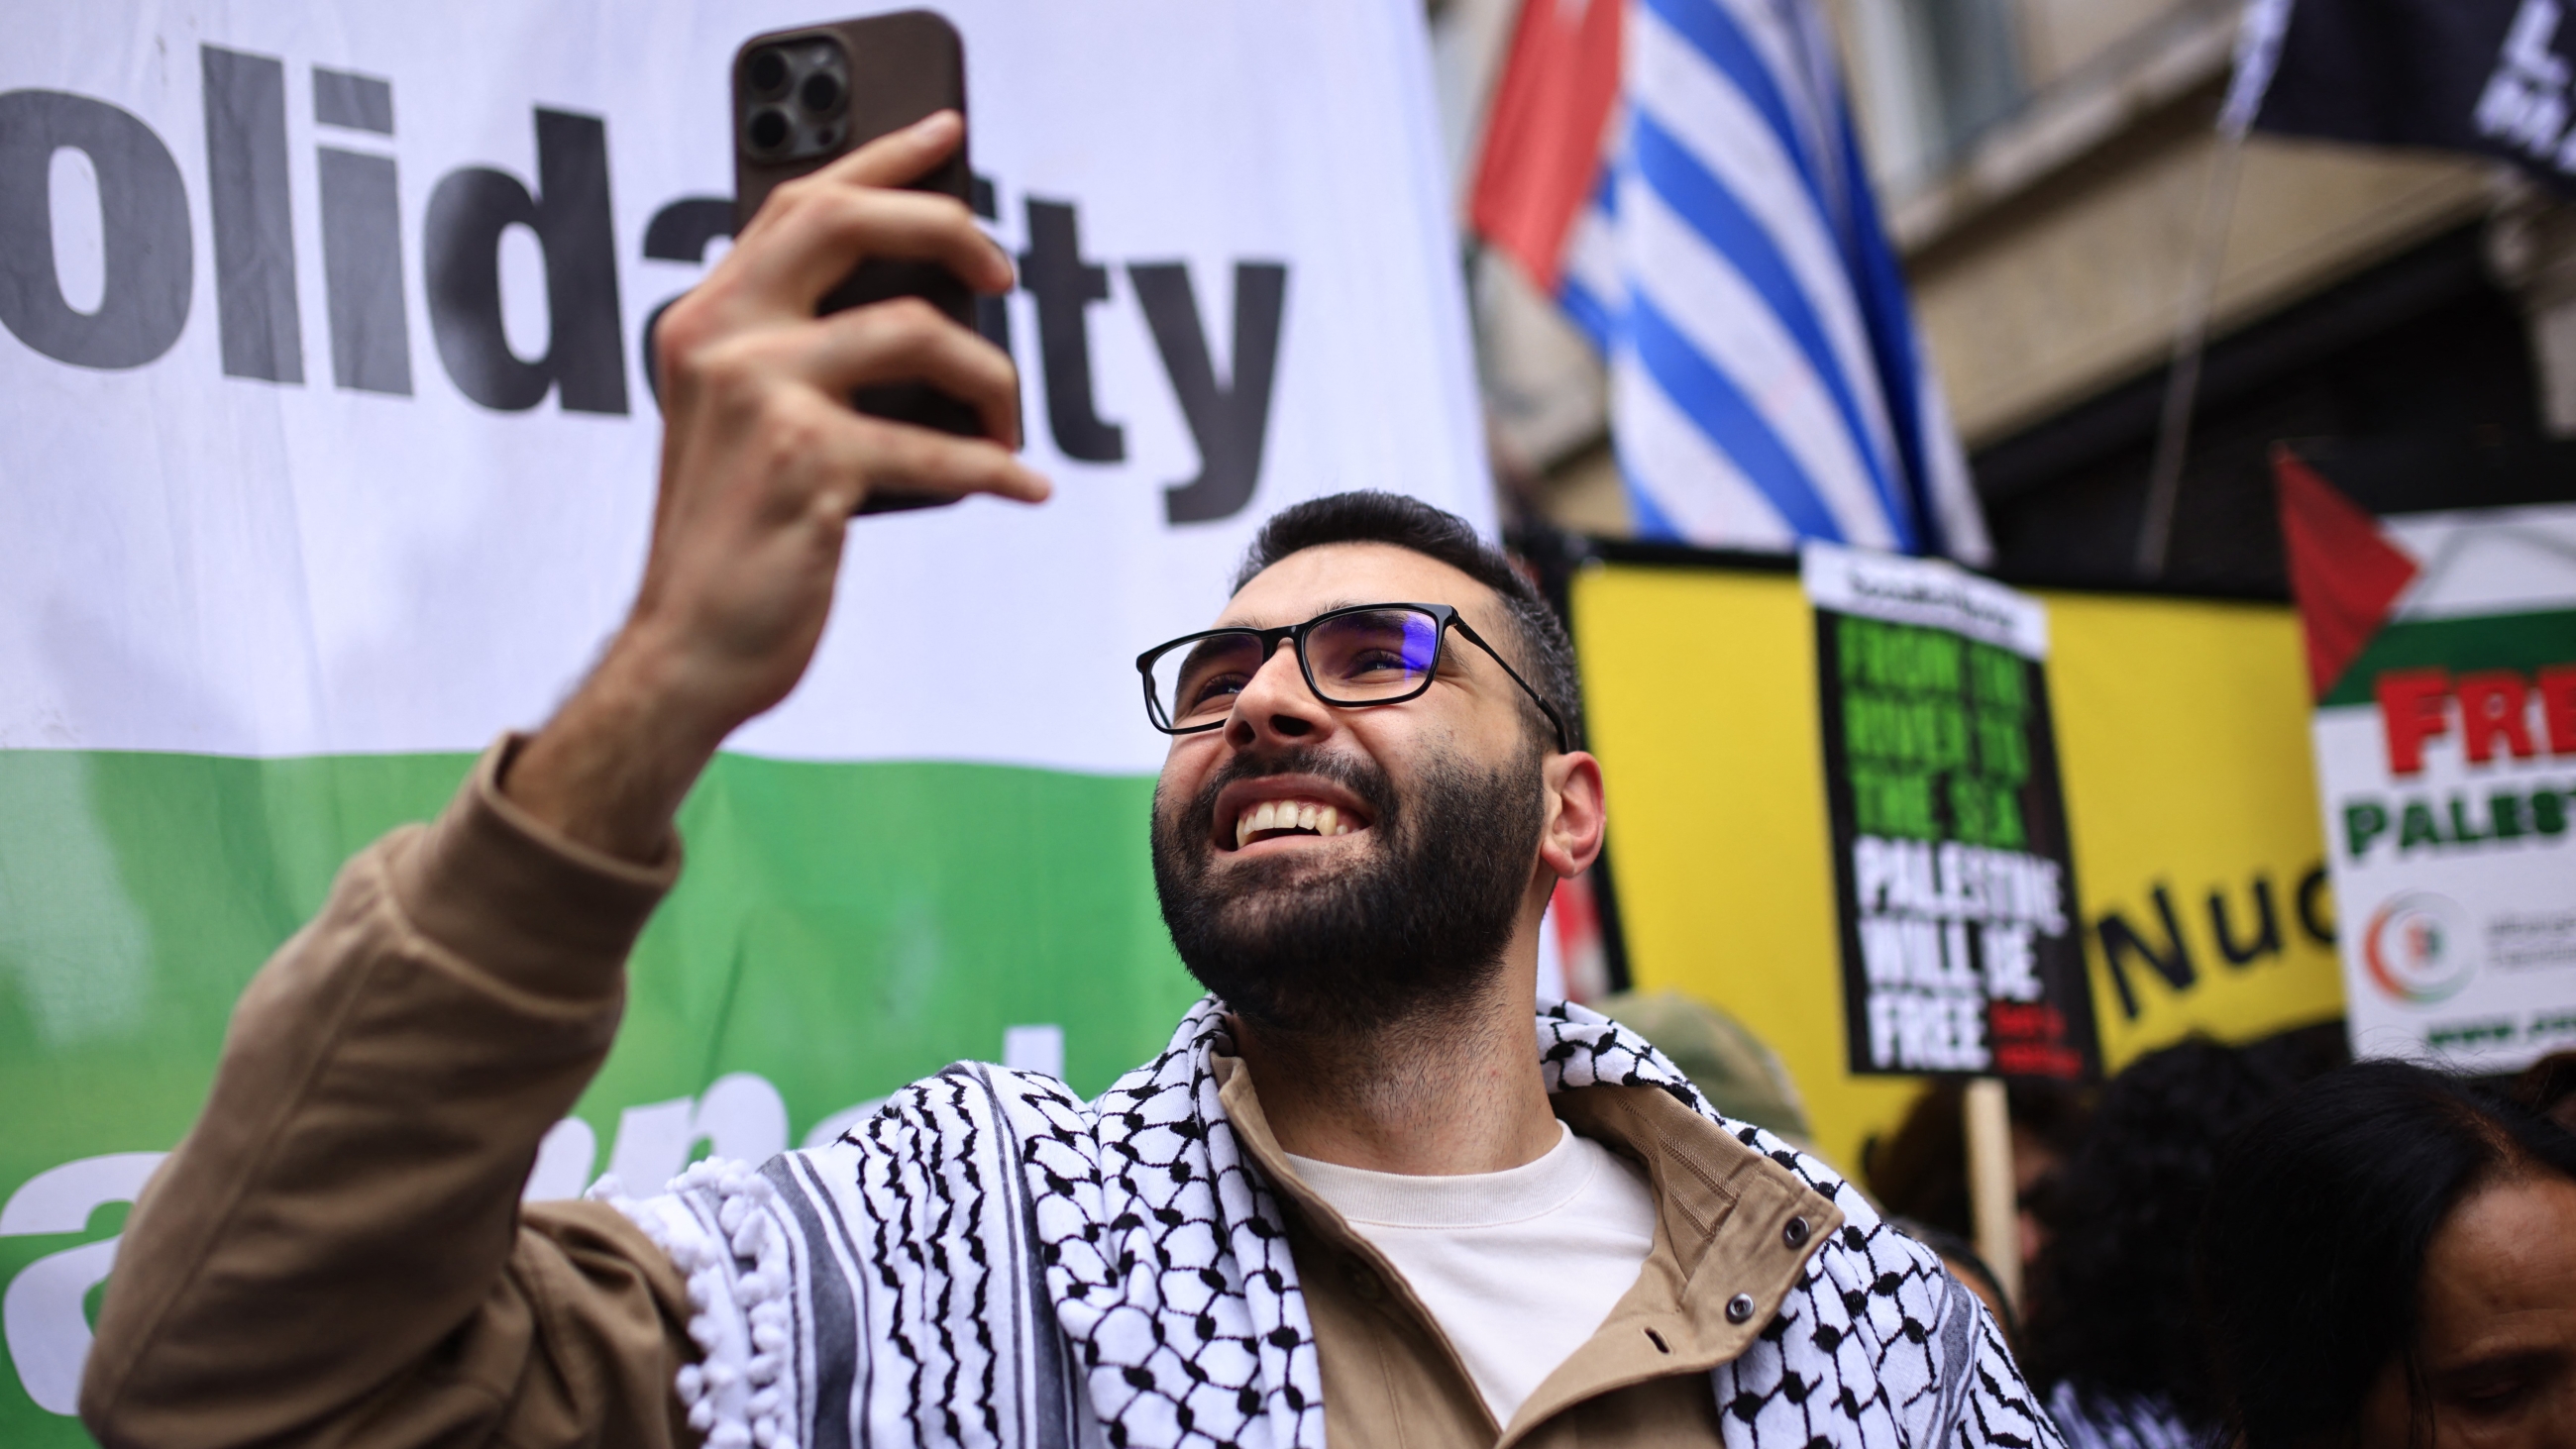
(1362, 655)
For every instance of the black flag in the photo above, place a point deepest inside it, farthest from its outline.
(2489, 76)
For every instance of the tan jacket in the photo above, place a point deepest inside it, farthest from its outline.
(336, 1254)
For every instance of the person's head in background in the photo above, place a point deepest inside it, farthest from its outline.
(2111, 1332)
(2389, 1259)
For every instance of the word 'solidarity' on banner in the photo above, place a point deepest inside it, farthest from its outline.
(330, 455)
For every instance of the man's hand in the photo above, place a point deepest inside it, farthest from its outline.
(762, 463)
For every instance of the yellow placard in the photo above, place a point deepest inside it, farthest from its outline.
(2182, 734)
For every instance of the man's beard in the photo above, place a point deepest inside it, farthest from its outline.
(1423, 915)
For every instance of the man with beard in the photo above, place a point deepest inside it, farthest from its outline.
(1364, 1198)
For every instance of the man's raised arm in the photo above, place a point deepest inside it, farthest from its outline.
(336, 1251)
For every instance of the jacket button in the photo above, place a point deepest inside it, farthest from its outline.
(1364, 1282)
(1739, 1308)
(1796, 1233)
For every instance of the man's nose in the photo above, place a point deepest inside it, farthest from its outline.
(1276, 706)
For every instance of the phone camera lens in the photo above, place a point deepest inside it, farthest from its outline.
(768, 130)
(821, 93)
(767, 73)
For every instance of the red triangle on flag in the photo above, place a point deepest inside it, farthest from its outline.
(1542, 150)
(2344, 572)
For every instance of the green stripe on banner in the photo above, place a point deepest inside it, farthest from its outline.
(2486, 641)
(841, 929)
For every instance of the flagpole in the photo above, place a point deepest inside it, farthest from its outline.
(2191, 335)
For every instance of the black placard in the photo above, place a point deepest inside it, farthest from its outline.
(1954, 880)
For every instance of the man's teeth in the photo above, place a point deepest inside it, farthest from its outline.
(1287, 815)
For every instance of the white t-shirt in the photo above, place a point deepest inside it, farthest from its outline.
(1517, 1267)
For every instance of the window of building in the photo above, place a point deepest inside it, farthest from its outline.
(1931, 76)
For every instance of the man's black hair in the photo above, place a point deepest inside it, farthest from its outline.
(1545, 654)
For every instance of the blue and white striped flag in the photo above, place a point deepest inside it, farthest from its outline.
(1767, 384)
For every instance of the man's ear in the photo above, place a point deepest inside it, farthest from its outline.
(1575, 818)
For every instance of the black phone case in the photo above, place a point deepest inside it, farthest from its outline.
(895, 69)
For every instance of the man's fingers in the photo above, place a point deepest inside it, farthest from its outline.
(822, 232)
(908, 340)
(878, 455)
(899, 158)
(812, 230)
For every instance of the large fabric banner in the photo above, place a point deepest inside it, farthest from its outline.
(2486, 76)
(327, 453)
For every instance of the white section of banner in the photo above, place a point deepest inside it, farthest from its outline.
(196, 561)
(1932, 592)
(2479, 561)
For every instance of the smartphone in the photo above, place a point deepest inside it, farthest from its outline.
(805, 97)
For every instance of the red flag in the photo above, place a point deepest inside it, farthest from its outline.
(1543, 134)
(2345, 574)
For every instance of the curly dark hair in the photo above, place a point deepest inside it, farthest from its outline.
(1367, 516)
(2110, 1304)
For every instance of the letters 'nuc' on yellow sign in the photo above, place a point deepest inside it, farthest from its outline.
(2182, 733)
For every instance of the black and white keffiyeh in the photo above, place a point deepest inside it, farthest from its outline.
(991, 1261)
(2092, 1417)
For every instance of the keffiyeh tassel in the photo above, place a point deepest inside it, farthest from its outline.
(719, 1222)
